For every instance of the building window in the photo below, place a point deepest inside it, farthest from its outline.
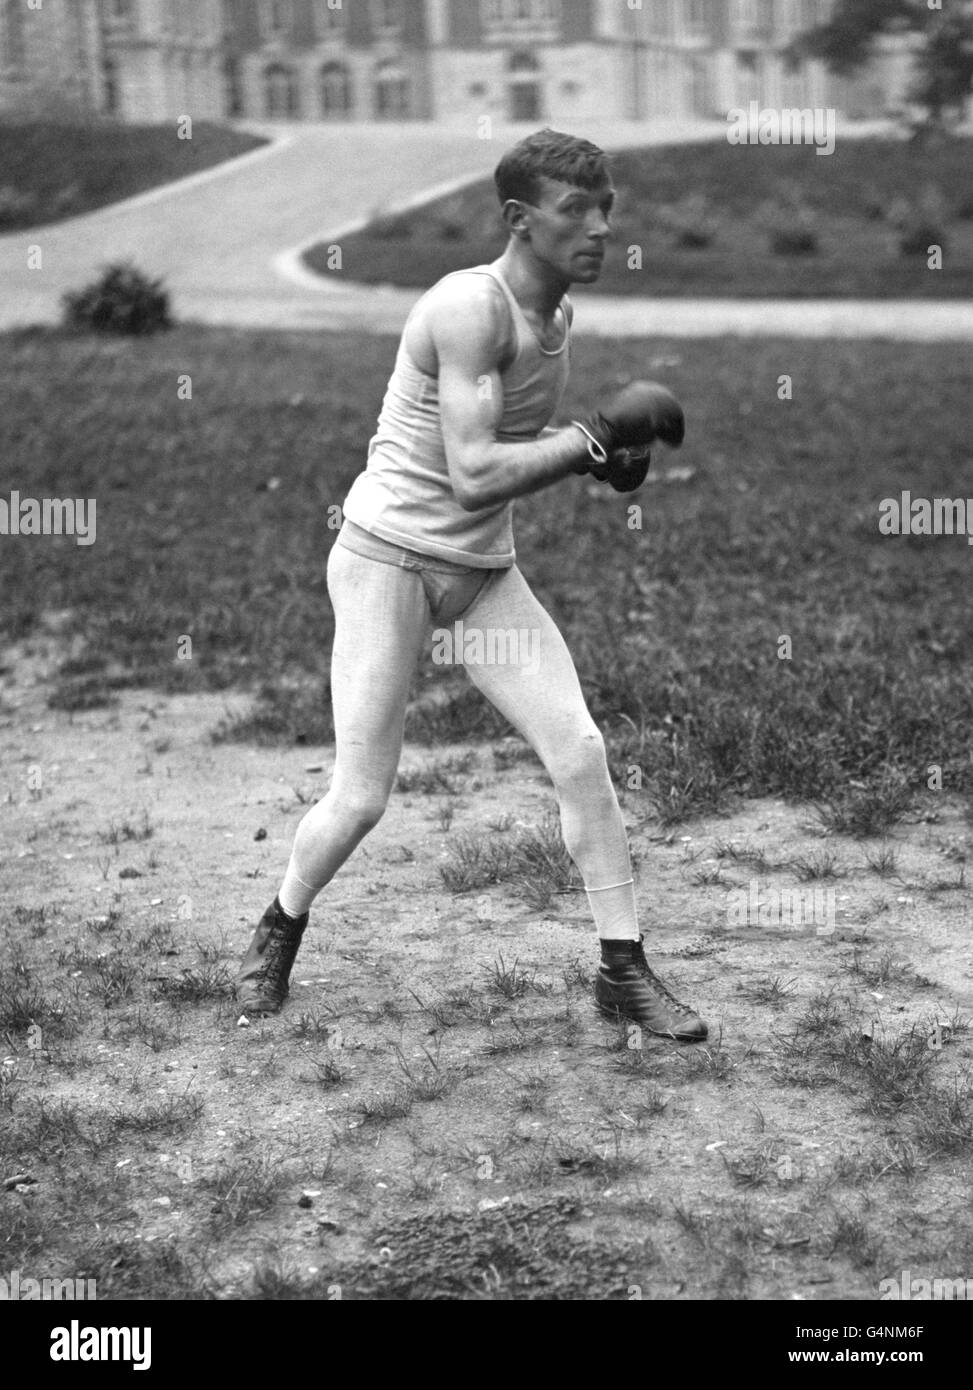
(794, 85)
(524, 88)
(520, 11)
(335, 90)
(391, 91)
(695, 18)
(110, 73)
(330, 18)
(524, 61)
(748, 17)
(281, 99)
(387, 16)
(278, 18)
(121, 12)
(13, 41)
(232, 87)
(538, 18)
(754, 22)
(755, 15)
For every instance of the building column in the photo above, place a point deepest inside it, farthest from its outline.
(437, 22)
(722, 70)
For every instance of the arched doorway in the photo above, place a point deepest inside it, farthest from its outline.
(335, 89)
(524, 87)
(110, 77)
(391, 91)
(281, 99)
(793, 82)
(750, 77)
(233, 103)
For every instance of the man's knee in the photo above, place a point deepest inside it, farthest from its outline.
(580, 760)
(365, 808)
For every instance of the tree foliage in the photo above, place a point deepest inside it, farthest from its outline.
(943, 77)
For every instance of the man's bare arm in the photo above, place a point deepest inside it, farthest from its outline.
(468, 333)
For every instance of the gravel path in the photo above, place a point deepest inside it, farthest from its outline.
(228, 242)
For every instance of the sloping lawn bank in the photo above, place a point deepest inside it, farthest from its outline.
(702, 217)
(52, 170)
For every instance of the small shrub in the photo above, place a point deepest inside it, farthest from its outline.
(920, 222)
(121, 300)
(863, 811)
(919, 235)
(209, 981)
(448, 229)
(508, 980)
(474, 863)
(692, 223)
(794, 241)
(873, 203)
(791, 224)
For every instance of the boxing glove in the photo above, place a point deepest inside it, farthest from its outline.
(627, 469)
(639, 414)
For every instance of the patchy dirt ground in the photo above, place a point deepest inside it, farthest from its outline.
(422, 1122)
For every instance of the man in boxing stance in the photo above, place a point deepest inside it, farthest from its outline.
(427, 539)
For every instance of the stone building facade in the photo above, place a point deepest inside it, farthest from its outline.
(47, 57)
(535, 61)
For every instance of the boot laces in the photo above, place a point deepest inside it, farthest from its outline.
(280, 943)
(656, 984)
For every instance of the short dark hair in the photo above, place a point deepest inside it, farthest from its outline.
(549, 154)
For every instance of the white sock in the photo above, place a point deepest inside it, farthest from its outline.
(613, 909)
(295, 896)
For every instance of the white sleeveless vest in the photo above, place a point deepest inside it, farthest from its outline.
(405, 495)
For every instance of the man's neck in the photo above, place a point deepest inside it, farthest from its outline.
(533, 290)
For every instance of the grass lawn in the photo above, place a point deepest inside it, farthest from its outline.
(213, 523)
(63, 169)
(851, 195)
(438, 1113)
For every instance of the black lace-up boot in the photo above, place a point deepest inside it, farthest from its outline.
(626, 988)
(261, 984)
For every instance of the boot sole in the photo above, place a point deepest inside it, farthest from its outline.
(256, 1010)
(616, 1014)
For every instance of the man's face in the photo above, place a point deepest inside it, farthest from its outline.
(569, 226)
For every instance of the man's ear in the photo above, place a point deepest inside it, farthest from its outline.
(516, 217)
